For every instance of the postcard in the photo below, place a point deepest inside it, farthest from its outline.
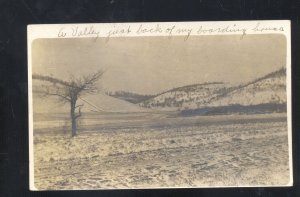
(160, 105)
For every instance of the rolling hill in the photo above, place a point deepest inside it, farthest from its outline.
(91, 102)
(269, 89)
(191, 96)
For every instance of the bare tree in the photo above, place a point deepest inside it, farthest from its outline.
(70, 91)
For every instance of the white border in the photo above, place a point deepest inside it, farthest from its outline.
(289, 100)
(93, 30)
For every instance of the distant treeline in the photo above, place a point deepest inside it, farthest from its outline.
(129, 96)
(234, 109)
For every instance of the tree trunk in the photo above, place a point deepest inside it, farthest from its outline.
(73, 118)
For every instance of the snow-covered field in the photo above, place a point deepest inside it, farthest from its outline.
(149, 150)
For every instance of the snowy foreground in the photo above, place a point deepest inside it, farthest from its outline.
(161, 150)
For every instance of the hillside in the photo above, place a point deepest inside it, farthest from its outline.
(91, 103)
(191, 96)
(269, 89)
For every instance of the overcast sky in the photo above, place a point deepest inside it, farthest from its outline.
(150, 65)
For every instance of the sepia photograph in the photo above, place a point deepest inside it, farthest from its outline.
(160, 105)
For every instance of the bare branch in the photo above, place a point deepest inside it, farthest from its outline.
(87, 83)
(79, 113)
(79, 106)
(59, 95)
(49, 79)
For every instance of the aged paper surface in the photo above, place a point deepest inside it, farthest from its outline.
(160, 105)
